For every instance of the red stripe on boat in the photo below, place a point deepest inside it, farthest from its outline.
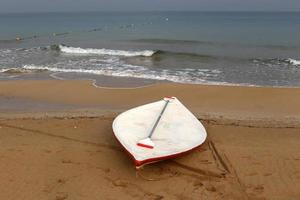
(144, 145)
(170, 97)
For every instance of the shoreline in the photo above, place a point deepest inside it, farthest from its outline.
(249, 106)
(114, 82)
(57, 143)
(80, 94)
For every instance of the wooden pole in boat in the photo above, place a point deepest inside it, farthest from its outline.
(147, 142)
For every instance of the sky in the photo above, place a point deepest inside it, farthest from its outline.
(7, 6)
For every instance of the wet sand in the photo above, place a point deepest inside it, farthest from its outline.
(64, 148)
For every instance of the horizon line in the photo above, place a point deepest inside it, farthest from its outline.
(147, 11)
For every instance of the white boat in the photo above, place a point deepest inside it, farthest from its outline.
(158, 131)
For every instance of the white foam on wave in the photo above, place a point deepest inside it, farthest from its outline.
(56, 69)
(78, 50)
(293, 61)
(13, 69)
(137, 72)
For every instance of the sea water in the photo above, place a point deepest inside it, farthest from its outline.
(230, 48)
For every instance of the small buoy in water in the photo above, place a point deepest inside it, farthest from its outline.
(167, 19)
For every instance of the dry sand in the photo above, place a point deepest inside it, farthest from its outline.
(64, 148)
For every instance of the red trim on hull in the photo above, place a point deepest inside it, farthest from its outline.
(144, 145)
(140, 163)
(171, 98)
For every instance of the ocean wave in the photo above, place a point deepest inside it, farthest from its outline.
(20, 70)
(56, 69)
(293, 61)
(272, 62)
(127, 70)
(78, 50)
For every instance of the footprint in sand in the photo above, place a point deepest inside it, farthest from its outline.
(259, 188)
(198, 184)
(211, 188)
(47, 151)
(251, 174)
(61, 180)
(61, 196)
(267, 174)
(119, 183)
(66, 161)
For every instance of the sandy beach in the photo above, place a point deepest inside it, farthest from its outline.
(57, 143)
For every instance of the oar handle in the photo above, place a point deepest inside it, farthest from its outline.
(158, 119)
